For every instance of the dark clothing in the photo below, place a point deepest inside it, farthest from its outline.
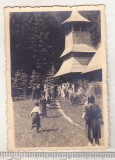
(34, 93)
(93, 114)
(38, 93)
(49, 92)
(43, 105)
(36, 120)
(55, 91)
(48, 100)
(93, 111)
(43, 102)
(91, 99)
(93, 129)
(44, 111)
(72, 99)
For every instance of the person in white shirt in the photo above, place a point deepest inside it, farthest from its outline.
(35, 114)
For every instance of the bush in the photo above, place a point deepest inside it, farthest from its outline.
(89, 88)
(95, 88)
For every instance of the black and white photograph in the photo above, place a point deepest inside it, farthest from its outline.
(56, 78)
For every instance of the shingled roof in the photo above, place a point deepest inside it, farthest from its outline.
(96, 62)
(78, 48)
(70, 65)
(76, 17)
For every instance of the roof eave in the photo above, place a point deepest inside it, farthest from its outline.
(77, 52)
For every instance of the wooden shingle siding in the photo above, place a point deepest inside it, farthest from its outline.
(81, 38)
(83, 60)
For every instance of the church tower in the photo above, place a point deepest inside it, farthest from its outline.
(78, 50)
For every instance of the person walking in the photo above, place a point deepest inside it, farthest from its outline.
(92, 114)
(43, 103)
(47, 97)
(71, 96)
(38, 92)
(59, 91)
(55, 91)
(34, 92)
(35, 114)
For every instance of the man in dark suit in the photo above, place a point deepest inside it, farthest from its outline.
(43, 106)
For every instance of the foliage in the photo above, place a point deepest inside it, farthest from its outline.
(94, 87)
(50, 79)
(83, 84)
(37, 39)
(35, 79)
(19, 84)
(33, 46)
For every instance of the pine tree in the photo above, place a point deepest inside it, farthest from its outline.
(33, 46)
(35, 79)
(50, 79)
(19, 84)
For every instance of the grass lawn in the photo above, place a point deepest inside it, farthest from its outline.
(58, 132)
(75, 112)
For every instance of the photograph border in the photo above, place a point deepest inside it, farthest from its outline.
(10, 112)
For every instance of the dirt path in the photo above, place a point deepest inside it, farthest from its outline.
(59, 129)
(57, 103)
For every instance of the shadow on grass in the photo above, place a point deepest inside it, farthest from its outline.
(53, 108)
(50, 130)
(55, 116)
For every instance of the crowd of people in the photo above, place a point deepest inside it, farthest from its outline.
(43, 96)
(70, 92)
(65, 90)
(91, 111)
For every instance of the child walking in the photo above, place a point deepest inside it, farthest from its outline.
(35, 114)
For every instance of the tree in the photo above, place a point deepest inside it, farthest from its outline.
(49, 78)
(33, 46)
(19, 84)
(37, 39)
(35, 79)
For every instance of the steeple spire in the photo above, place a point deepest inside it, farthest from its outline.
(78, 47)
(75, 17)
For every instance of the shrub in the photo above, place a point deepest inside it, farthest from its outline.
(95, 88)
(19, 84)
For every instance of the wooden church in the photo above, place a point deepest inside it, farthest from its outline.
(78, 52)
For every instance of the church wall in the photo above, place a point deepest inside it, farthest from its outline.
(77, 37)
(69, 40)
(81, 37)
(83, 60)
